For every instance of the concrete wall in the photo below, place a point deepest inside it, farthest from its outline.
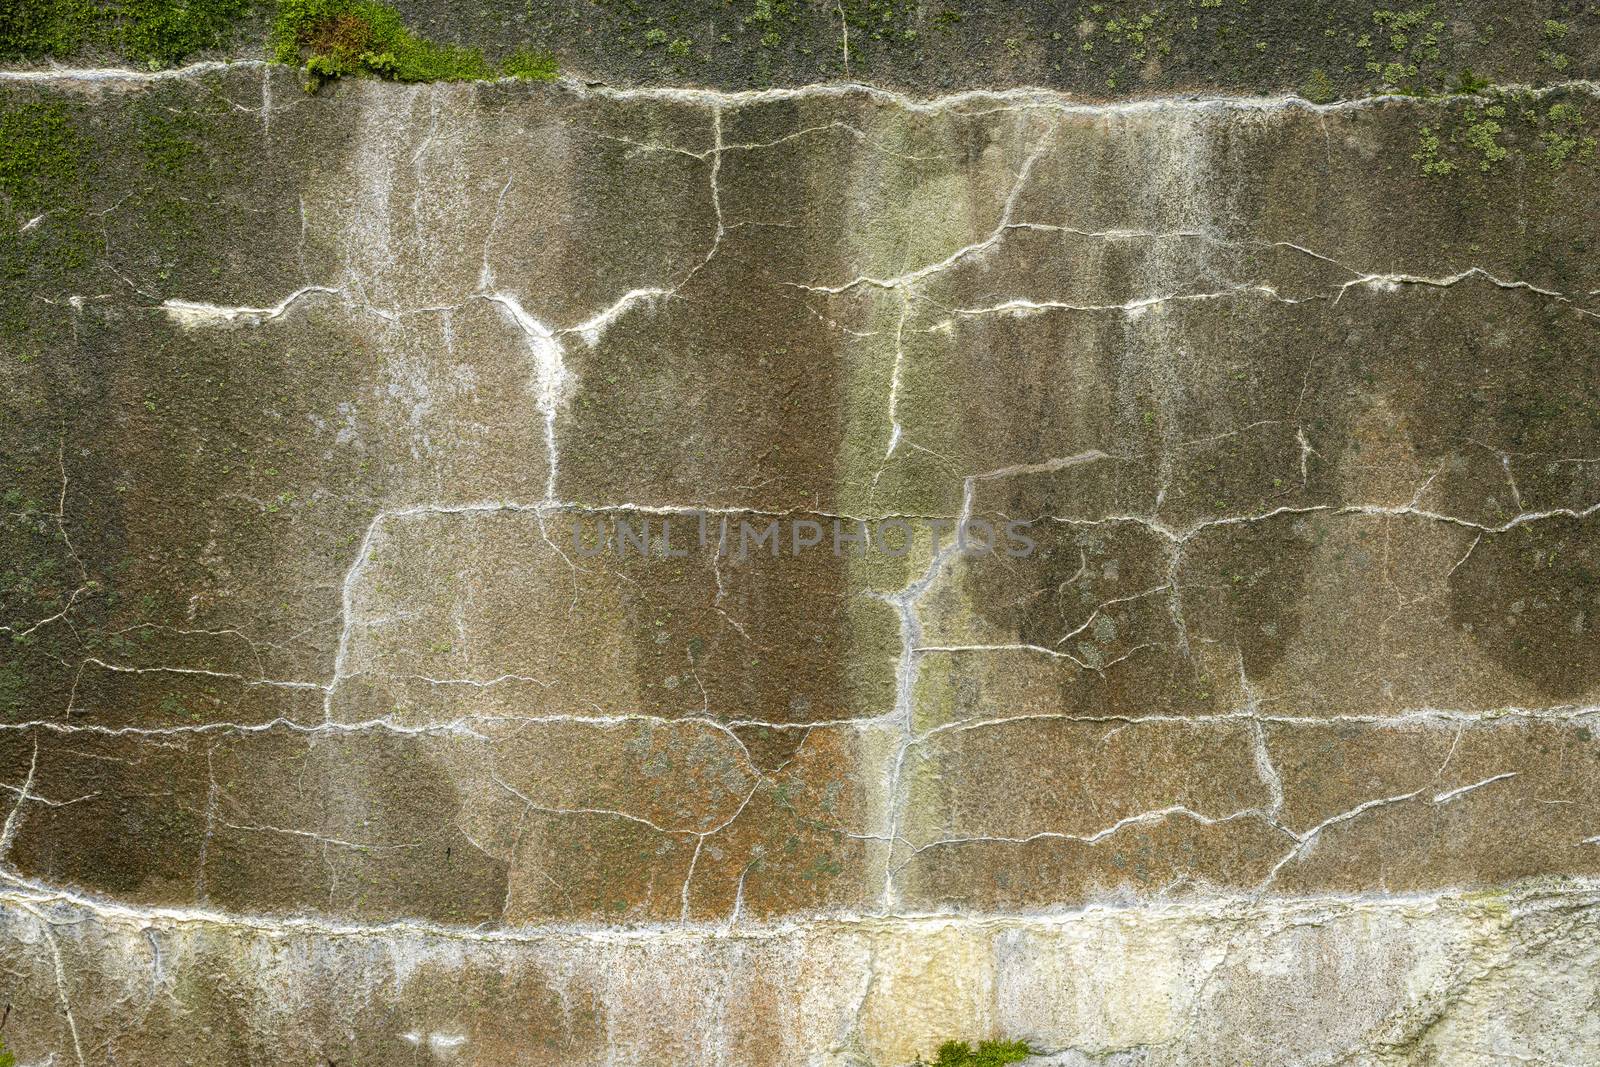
(326, 735)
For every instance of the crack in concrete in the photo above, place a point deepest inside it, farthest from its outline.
(990, 100)
(30, 893)
(9, 832)
(1450, 794)
(1096, 836)
(552, 381)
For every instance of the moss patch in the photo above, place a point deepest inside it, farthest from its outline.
(337, 38)
(45, 27)
(1507, 127)
(531, 64)
(1407, 46)
(331, 37)
(42, 187)
(987, 1054)
(154, 32)
(165, 31)
(39, 153)
(1564, 137)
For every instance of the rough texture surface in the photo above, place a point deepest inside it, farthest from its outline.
(1322, 49)
(323, 740)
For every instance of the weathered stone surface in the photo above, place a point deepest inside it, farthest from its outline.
(1322, 49)
(319, 684)
(1371, 982)
(502, 613)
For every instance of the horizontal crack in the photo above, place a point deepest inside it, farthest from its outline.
(29, 894)
(986, 100)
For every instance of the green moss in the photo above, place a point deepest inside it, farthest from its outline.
(34, 29)
(13, 689)
(39, 152)
(332, 37)
(42, 185)
(1483, 135)
(1318, 88)
(1564, 139)
(154, 32)
(1509, 127)
(339, 38)
(531, 64)
(6, 1058)
(1127, 39)
(344, 37)
(1412, 40)
(988, 1054)
(164, 141)
(1428, 153)
(881, 20)
(162, 32)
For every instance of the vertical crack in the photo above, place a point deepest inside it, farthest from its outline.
(48, 930)
(550, 378)
(9, 833)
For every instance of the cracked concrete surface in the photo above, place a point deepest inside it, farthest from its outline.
(1280, 743)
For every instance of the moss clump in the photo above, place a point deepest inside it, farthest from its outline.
(1412, 39)
(162, 32)
(42, 186)
(155, 32)
(44, 28)
(336, 38)
(1508, 127)
(531, 65)
(988, 1054)
(881, 20)
(1318, 87)
(1483, 133)
(39, 153)
(342, 37)
(1428, 153)
(6, 1058)
(1564, 140)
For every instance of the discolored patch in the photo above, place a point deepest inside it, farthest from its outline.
(638, 615)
